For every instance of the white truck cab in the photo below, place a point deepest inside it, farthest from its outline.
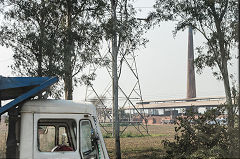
(60, 129)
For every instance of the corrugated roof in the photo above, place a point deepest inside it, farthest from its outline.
(181, 103)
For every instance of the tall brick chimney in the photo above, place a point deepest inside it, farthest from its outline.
(191, 85)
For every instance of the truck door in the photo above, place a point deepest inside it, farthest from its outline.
(91, 142)
(55, 136)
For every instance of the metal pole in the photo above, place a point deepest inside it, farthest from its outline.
(115, 82)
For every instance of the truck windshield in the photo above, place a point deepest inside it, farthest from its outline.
(88, 144)
(56, 135)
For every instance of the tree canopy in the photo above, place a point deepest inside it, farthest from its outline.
(52, 38)
(216, 21)
(61, 38)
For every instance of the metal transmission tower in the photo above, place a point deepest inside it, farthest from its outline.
(129, 92)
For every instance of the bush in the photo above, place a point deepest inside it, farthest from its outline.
(202, 137)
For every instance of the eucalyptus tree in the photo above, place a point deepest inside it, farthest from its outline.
(25, 28)
(217, 22)
(80, 37)
(125, 33)
(52, 37)
(29, 30)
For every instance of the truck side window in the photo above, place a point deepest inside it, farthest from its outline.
(89, 149)
(56, 135)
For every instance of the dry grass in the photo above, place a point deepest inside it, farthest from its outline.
(139, 147)
(143, 147)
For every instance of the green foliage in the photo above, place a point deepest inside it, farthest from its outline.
(217, 21)
(128, 28)
(61, 38)
(203, 137)
(52, 38)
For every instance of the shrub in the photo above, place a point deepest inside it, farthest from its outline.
(202, 137)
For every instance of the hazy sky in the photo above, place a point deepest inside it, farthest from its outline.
(162, 65)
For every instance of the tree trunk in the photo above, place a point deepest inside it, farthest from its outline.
(68, 51)
(68, 88)
(228, 96)
(115, 82)
(224, 71)
(41, 45)
(39, 61)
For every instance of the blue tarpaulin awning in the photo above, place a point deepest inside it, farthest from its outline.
(22, 88)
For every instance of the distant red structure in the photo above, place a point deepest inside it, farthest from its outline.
(191, 85)
(158, 120)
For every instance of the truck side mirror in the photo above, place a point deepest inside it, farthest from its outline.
(94, 137)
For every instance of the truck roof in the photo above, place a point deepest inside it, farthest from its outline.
(58, 106)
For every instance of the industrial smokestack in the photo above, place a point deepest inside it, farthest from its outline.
(191, 85)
